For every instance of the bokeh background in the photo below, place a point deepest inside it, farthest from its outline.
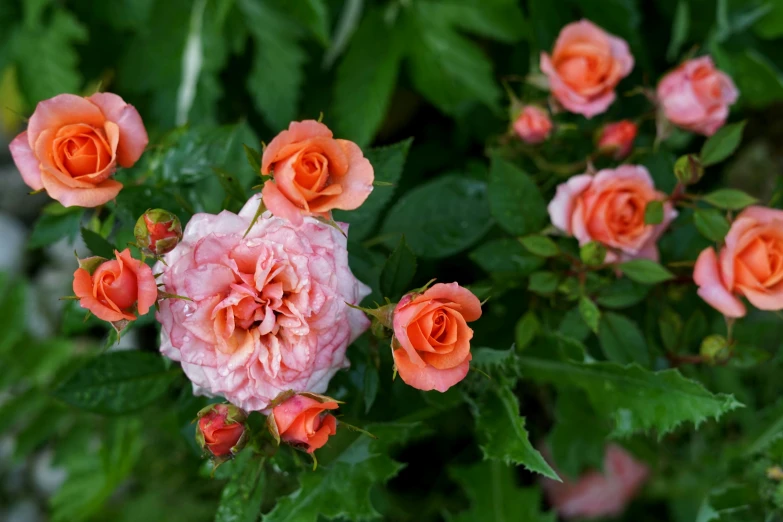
(209, 75)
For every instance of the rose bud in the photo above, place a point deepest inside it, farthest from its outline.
(302, 421)
(617, 139)
(696, 96)
(157, 232)
(533, 124)
(115, 290)
(749, 265)
(221, 430)
(431, 336)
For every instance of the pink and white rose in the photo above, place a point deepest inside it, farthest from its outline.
(266, 313)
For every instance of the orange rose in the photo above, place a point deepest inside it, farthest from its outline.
(302, 421)
(586, 65)
(116, 289)
(750, 264)
(609, 208)
(432, 338)
(72, 146)
(313, 173)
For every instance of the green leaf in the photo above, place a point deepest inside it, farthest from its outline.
(578, 439)
(680, 26)
(340, 488)
(526, 330)
(366, 78)
(637, 400)
(45, 57)
(540, 245)
(590, 313)
(313, 14)
(653, 212)
(449, 70)
(231, 185)
(98, 471)
(514, 199)
(729, 199)
(711, 224)
(621, 340)
(504, 258)
(494, 495)
(370, 385)
(441, 217)
(277, 72)
(117, 382)
(253, 158)
(398, 271)
(240, 500)
(621, 293)
(543, 283)
(13, 294)
(50, 228)
(388, 163)
(573, 325)
(771, 25)
(497, 19)
(759, 79)
(722, 144)
(97, 244)
(645, 271)
(490, 359)
(502, 434)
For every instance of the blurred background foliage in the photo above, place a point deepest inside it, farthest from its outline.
(208, 76)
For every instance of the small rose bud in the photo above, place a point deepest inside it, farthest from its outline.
(221, 430)
(688, 169)
(592, 253)
(715, 349)
(533, 124)
(157, 232)
(302, 421)
(616, 139)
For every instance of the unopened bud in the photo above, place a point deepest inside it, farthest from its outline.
(221, 430)
(715, 349)
(688, 169)
(157, 232)
(592, 253)
(616, 139)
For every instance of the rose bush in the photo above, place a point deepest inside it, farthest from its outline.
(392, 261)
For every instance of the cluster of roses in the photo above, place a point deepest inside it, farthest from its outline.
(258, 307)
(608, 207)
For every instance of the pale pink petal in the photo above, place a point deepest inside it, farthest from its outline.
(712, 289)
(61, 110)
(428, 378)
(81, 197)
(133, 135)
(561, 208)
(469, 304)
(279, 205)
(297, 131)
(356, 183)
(26, 161)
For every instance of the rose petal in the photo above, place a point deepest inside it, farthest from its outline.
(133, 135)
(428, 378)
(712, 289)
